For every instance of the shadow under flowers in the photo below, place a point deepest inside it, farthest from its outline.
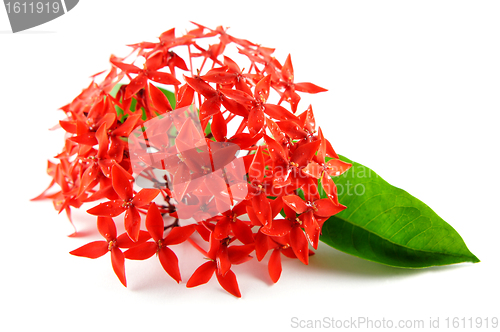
(330, 260)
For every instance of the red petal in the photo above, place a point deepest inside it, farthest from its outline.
(126, 128)
(326, 208)
(289, 212)
(239, 96)
(287, 69)
(288, 252)
(278, 135)
(158, 99)
(43, 194)
(144, 251)
(123, 241)
(122, 182)
(255, 121)
(201, 87)
(330, 151)
(125, 66)
(116, 149)
(233, 66)
(210, 107)
(253, 217)
(219, 76)
(168, 36)
(309, 120)
(179, 234)
(330, 188)
(222, 260)
(106, 165)
(133, 223)
(256, 170)
(219, 127)
(118, 263)
(322, 147)
(181, 180)
(262, 208)
(154, 223)
(170, 263)
(279, 113)
(155, 61)
(242, 231)
(295, 203)
(229, 283)
(336, 167)
(299, 244)
(292, 98)
(274, 265)
(311, 228)
(107, 228)
(184, 96)
(108, 209)
(305, 152)
(90, 175)
(222, 228)
(202, 275)
(262, 89)
(85, 139)
(68, 126)
(145, 196)
(164, 78)
(279, 227)
(240, 254)
(135, 85)
(310, 187)
(309, 88)
(276, 206)
(234, 107)
(292, 129)
(276, 151)
(91, 250)
(261, 245)
(313, 169)
(102, 137)
(179, 62)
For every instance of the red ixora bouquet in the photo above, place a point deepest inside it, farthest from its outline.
(252, 191)
(228, 158)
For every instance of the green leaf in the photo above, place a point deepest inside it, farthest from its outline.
(387, 225)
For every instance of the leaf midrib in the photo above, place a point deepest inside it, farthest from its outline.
(398, 244)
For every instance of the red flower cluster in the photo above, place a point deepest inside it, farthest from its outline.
(286, 162)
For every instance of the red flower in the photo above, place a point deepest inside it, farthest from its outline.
(128, 202)
(309, 211)
(221, 257)
(280, 246)
(113, 244)
(288, 167)
(168, 259)
(141, 80)
(229, 224)
(226, 150)
(286, 81)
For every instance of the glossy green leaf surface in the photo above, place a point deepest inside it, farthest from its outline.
(387, 225)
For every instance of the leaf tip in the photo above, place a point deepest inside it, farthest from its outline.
(474, 259)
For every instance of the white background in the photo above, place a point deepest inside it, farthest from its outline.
(413, 94)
